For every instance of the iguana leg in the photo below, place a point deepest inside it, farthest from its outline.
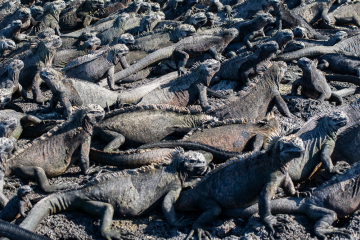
(110, 78)
(182, 57)
(37, 95)
(250, 37)
(203, 97)
(327, 162)
(39, 174)
(106, 211)
(53, 102)
(216, 55)
(323, 64)
(258, 142)
(245, 76)
(3, 199)
(295, 86)
(65, 102)
(325, 218)
(282, 106)
(211, 211)
(117, 139)
(169, 210)
(336, 98)
(22, 92)
(123, 62)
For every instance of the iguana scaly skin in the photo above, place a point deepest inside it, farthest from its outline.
(11, 81)
(313, 83)
(40, 159)
(340, 63)
(319, 136)
(344, 14)
(189, 46)
(186, 90)
(255, 101)
(325, 205)
(7, 128)
(16, 233)
(131, 125)
(235, 135)
(24, 120)
(127, 193)
(349, 46)
(242, 181)
(12, 31)
(94, 66)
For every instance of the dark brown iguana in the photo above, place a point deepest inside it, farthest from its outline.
(189, 46)
(127, 193)
(138, 125)
(52, 153)
(242, 181)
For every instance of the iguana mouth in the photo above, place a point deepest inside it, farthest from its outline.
(296, 152)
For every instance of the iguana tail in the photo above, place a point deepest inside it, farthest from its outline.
(17, 233)
(146, 61)
(282, 205)
(50, 205)
(343, 78)
(305, 52)
(218, 154)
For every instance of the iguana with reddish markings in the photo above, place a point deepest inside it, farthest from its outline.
(255, 101)
(127, 193)
(134, 126)
(40, 160)
(242, 181)
(189, 46)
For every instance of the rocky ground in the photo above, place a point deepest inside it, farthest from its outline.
(82, 226)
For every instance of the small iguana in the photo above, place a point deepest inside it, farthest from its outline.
(93, 66)
(127, 193)
(17, 205)
(189, 46)
(313, 83)
(11, 81)
(40, 159)
(138, 125)
(242, 181)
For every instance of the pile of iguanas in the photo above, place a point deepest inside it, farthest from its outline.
(222, 107)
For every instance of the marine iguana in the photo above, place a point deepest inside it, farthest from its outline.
(12, 31)
(11, 81)
(348, 46)
(40, 160)
(22, 118)
(6, 44)
(313, 83)
(314, 11)
(23, 14)
(286, 19)
(336, 198)
(7, 128)
(93, 66)
(340, 63)
(187, 89)
(193, 45)
(138, 125)
(141, 190)
(240, 68)
(65, 56)
(17, 205)
(319, 136)
(242, 181)
(255, 101)
(72, 92)
(50, 18)
(344, 14)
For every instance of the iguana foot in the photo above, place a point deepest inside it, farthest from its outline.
(270, 221)
(202, 234)
(340, 167)
(116, 234)
(181, 222)
(321, 232)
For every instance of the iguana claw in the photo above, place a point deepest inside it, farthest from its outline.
(201, 234)
(116, 234)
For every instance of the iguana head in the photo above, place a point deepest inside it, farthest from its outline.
(16, 25)
(94, 113)
(263, 19)
(24, 14)
(36, 11)
(52, 78)
(52, 42)
(284, 36)
(208, 68)
(5, 97)
(155, 7)
(126, 38)
(268, 49)
(23, 191)
(341, 35)
(197, 20)
(194, 163)
(7, 126)
(148, 20)
(300, 32)
(15, 66)
(97, 4)
(289, 147)
(336, 120)
(7, 44)
(305, 63)
(6, 147)
(47, 32)
(229, 34)
(118, 51)
(144, 7)
(92, 43)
